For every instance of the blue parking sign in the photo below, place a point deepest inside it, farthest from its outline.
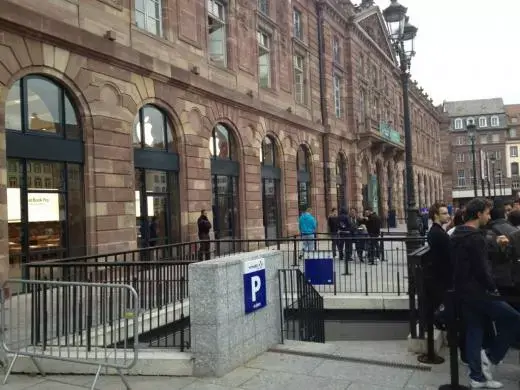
(319, 271)
(254, 285)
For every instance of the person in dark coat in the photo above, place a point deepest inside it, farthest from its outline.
(440, 247)
(344, 233)
(204, 227)
(373, 225)
(477, 294)
(333, 224)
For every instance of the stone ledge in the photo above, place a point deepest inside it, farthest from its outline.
(363, 302)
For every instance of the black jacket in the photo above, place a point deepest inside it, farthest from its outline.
(333, 222)
(204, 226)
(502, 259)
(344, 224)
(440, 247)
(472, 272)
(373, 224)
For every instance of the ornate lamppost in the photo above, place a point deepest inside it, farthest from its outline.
(402, 35)
(472, 133)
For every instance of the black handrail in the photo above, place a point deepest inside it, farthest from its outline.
(301, 306)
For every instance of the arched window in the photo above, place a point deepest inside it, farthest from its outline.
(341, 182)
(271, 176)
(45, 204)
(156, 179)
(224, 173)
(304, 178)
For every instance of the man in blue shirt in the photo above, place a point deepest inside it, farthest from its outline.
(307, 225)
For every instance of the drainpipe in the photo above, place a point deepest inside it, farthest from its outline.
(323, 106)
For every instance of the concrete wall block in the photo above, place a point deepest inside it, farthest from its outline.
(223, 335)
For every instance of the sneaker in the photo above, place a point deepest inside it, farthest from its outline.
(485, 385)
(487, 366)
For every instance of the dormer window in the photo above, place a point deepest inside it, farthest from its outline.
(482, 121)
(495, 122)
(470, 121)
(458, 124)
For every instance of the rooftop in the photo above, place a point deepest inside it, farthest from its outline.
(475, 107)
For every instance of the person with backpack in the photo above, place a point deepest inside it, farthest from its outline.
(502, 258)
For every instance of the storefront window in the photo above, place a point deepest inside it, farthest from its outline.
(304, 178)
(225, 173)
(271, 175)
(156, 179)
(45, 202)
(341, 181)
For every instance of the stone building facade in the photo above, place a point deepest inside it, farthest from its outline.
(490, 140)
(201, 104)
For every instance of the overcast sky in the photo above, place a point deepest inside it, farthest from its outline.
(466, 49)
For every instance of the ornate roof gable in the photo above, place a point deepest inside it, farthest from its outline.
(371, 21)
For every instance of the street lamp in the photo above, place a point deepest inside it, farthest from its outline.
(471, 132)
(402, 35)
(493, 159)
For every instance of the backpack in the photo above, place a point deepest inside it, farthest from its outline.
(513, 255)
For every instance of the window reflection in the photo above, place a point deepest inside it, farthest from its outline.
(220, 143)
(156, 208)
(267, 152)
(302, 159)
(35, 103)
(43, 113)
(152, 129)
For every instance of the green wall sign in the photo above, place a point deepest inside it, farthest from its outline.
(389, 133)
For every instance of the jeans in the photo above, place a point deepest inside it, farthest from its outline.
(308, 242)
(507, 321)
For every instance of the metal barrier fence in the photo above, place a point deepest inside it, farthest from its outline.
(67, 321)
(368, 265)
(162, 287)
(302, 311)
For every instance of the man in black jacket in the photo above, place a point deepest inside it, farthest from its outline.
(478, 294)
(375, 247)
(333, 222)
(440, 247)
(204, 227)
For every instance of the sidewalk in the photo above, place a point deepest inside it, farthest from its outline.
(329, 368)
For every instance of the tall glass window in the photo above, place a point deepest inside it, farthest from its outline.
(304, 178)
(45, 203)
(225, 173)
(271, 175)
(341, 182)
(156, 179)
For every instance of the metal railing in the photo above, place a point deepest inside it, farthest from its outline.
(162, 287)
(67, 321)
(363, 265)
(302, 311)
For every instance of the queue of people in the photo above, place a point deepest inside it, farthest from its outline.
(476, 255)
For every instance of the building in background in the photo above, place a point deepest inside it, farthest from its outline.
(154, 110)
(513, 147)
(491, 135)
